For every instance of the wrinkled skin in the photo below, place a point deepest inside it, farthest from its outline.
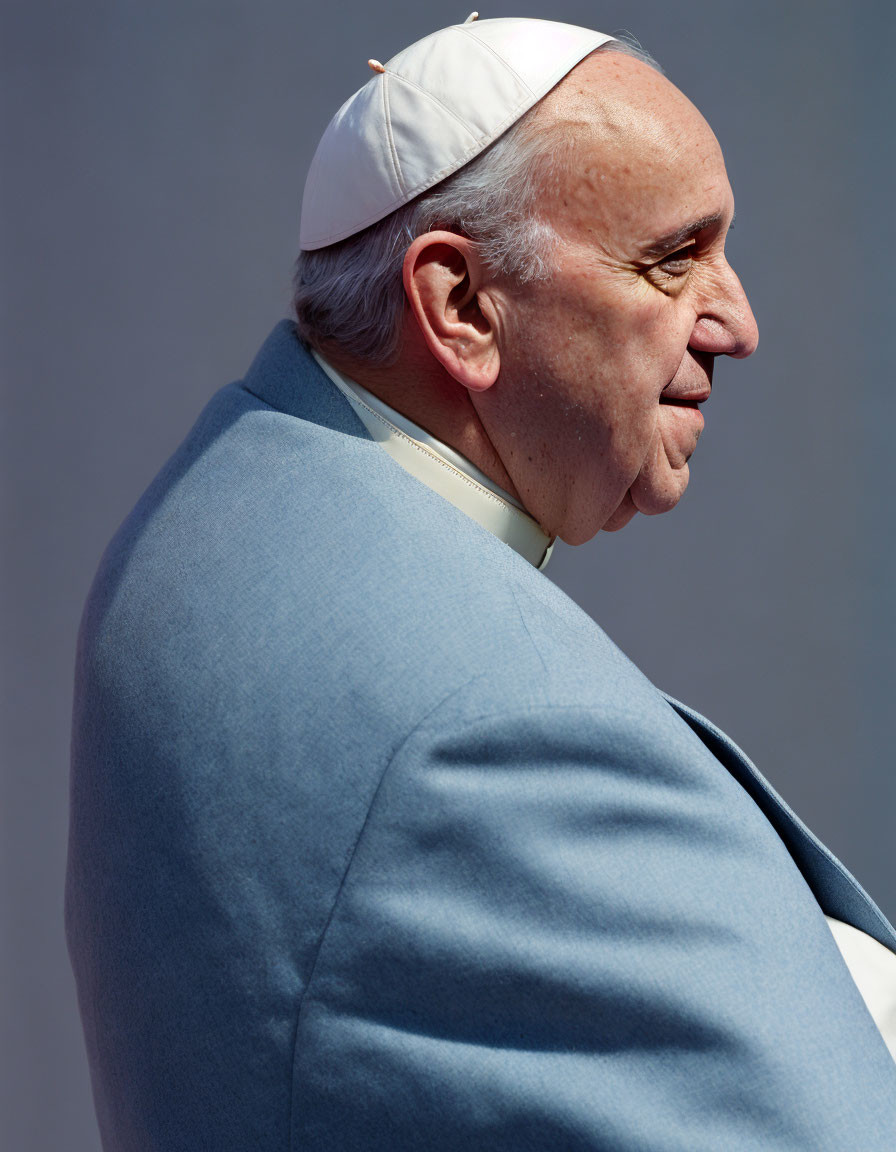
(594, 414)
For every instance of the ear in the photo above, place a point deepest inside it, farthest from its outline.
(444, 282)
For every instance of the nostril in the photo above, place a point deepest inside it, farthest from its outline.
(713, 336)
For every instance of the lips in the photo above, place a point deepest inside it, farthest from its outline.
(688, 393)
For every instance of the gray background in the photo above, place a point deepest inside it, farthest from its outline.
(152, 166)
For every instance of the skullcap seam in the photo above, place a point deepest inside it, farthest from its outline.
(467, 31)
(392, 149)
(438, 103)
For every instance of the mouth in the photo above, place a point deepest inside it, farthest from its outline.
(691, 401)
(691, 384)
(687, 393)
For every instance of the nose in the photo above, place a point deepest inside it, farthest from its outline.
(725, 324)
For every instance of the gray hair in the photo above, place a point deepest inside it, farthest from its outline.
(351, 294)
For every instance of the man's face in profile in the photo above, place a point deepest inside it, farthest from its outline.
(604, 366)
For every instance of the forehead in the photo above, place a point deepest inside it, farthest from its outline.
(638, 158)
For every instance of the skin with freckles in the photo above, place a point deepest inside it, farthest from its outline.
(580, 394)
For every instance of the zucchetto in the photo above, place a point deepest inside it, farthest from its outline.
(427, 112)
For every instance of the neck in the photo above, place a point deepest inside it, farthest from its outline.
(419, 388)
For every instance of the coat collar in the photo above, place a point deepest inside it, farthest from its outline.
(287, 375)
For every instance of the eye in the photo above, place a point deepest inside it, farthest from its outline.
(677, 263)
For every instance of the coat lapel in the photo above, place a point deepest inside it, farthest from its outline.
(838, 893)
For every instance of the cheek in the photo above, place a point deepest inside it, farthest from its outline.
(641, 356)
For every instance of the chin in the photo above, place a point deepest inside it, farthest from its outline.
(582, 534)
(623, 515)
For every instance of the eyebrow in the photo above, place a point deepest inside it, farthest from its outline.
(673, 240)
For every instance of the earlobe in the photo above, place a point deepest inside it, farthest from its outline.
(444, 282)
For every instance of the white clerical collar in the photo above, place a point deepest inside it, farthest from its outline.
(445, 471)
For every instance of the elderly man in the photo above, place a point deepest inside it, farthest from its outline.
(377, 841)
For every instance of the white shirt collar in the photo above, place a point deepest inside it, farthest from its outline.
(445, 471)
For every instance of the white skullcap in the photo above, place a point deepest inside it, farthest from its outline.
(427, 112)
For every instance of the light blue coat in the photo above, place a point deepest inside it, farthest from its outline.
(378, 843)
